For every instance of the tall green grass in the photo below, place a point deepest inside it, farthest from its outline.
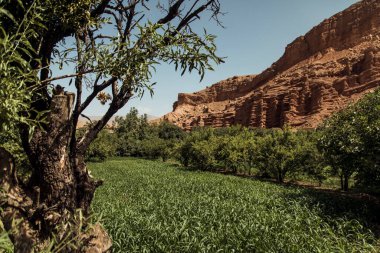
(5, 244)
(150, 206)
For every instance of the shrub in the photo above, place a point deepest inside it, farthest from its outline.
(234, 152)
(103, 147)
(276, 153)
(308, 161)
(169, 131)
(187, 154)
(131, 130)
(202, 155)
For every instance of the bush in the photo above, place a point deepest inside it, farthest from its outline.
(274, 153)
(235, 153)
(138, 138)
(169, 131)
(103, 147)
(202, 155)
(131, 130)
(155, 147)
(188, 155)
(308, 161)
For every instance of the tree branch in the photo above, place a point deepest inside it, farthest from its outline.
(93, 131)
(193, 14)
(68, 76)
(99, 10)
(95, 92)
(172, 13)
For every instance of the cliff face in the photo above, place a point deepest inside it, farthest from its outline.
(336, 63)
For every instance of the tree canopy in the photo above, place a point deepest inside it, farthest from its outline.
(109, 47)
(351, 141)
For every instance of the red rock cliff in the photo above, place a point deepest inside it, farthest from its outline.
(336, 63)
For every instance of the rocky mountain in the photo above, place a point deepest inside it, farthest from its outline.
(334, 64)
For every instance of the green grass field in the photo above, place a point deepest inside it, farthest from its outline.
(149, 206)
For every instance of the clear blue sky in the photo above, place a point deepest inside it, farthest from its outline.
(255, 35)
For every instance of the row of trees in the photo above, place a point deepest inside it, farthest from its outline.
(347, 146)
(273, 153)
(133, 136)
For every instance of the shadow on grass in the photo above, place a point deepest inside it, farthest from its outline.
(337, 205)
(334, 204)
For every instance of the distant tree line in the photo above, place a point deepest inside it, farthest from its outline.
(134, 136)
(346, 146)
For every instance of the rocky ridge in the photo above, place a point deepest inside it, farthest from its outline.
(334, 64)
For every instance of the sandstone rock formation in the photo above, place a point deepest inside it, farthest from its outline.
(334, 64)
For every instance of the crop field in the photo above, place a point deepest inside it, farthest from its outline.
(150, 206)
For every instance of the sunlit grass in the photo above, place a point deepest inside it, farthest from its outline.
(5, 244)
(150, 206)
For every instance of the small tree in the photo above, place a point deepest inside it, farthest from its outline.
(198, 149)
(233, 152)
(276, 153)
(367, 125)
(350, 141)
(113, 47)
(102, 147)
(131, 130)
(169, 131)
(308, 161)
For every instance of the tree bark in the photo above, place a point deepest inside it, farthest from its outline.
(280, 177)
(59, 186)
(345, 186)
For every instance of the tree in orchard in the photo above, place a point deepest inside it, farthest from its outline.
(350, 142)
(116, 46)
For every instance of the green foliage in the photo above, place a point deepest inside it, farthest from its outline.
(130, 131)
(273, 153)
(161, 208)
(197, 149)
(137, 138)
(103, 146)
(236, 152)
(308, 161)
(69, 13)
(367, 125)
(6, 245)
(16, 72)
(11, 141)
(151, 148)
(133, 60)
(168, 131)
(203, 154)
(350, 141)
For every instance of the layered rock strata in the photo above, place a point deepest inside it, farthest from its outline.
(334, 64)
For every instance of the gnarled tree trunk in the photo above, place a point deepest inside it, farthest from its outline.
(59, 186)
